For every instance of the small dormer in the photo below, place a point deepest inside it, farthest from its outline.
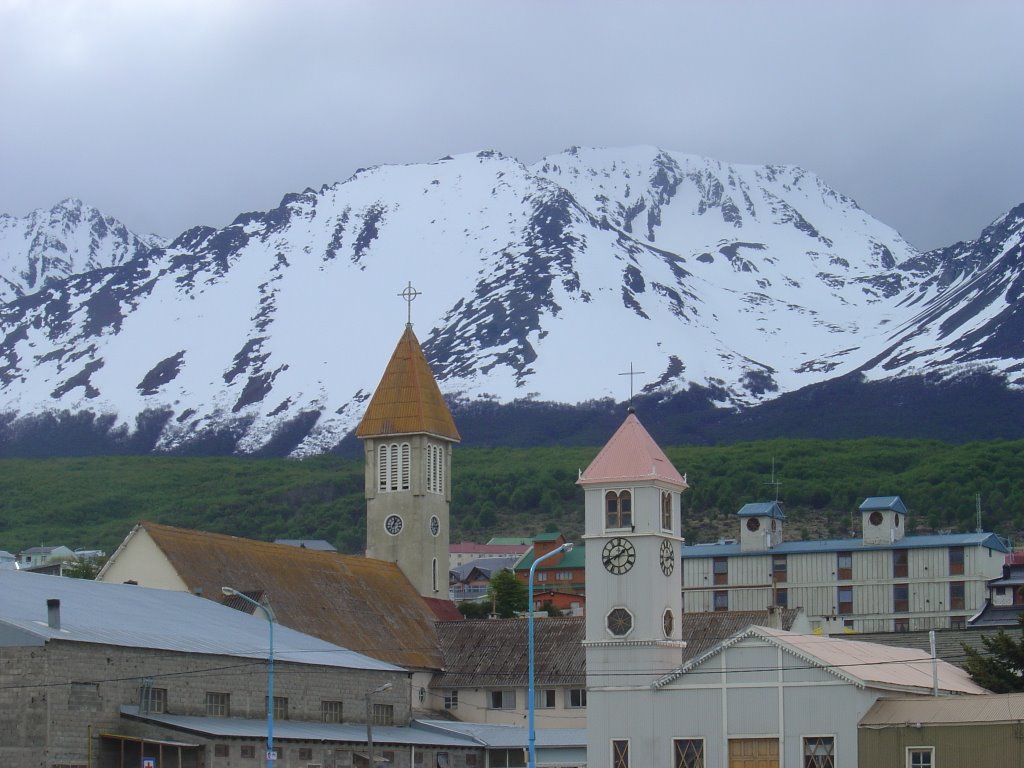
(760, 525)
(884, 519)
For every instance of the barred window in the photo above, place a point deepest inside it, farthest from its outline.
(383, 714)
(620, 753)
(819, 752)
(218, 704)
(688, 753)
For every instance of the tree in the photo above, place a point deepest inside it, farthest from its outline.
(1002, 671)
(508, 595)
(84, 568)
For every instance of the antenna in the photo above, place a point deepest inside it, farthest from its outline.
(977, 506)
(631, 373)
(774, 482)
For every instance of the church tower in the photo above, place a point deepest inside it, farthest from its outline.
(408, 433)
(634, 596)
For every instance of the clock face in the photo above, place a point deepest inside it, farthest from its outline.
(667, 558)
(435, 525)
(618, 556)
(393, 525)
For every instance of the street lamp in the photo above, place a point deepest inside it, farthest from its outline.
(567, 547)
(271, 755)
(369, 720)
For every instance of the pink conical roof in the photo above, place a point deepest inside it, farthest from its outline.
(630, 456)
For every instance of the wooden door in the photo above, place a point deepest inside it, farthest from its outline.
(753, 753)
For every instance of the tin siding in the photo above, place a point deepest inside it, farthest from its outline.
(974, 744)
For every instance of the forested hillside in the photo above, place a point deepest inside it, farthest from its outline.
(93, 502)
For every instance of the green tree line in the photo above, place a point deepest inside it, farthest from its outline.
(93, 502)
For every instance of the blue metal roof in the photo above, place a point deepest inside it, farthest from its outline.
(300, 730)
(762, 509)
(883, 502)
(508, 736)
(138, 617)
(988, 540)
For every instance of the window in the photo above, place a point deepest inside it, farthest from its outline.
(782, 597)
(901, 625)
(503, 699)
(720, 569)
(153, 700)
(383, 714)
(844, 600)
(220, 750)
(470, 761)
(433, 574)
(564, 575)
(305, 753)
(544, 698)
(576, 698)
(721, 599)
(901, 597)
(844, 565)
(618, 509)
(956, 561)
(899, 564)
(620, 753)
(687, 753)
(331, 712)
(451, 700)
(249, 751)
(540, 575)
(506, 758)
(819, 752)
(956, 595)
(619, 622)
(920, 757)
(435, 468)
(778, 568)
(218, 704)
(666, 511)
(393, 462)
(958, 622)
(280, 707)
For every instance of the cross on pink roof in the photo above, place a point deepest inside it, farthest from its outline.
(631, 455)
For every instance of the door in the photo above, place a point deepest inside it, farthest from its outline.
(753, 753)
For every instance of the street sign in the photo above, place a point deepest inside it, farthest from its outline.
(271, 755)
(149, 762)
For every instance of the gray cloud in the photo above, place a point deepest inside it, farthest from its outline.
(172, 113)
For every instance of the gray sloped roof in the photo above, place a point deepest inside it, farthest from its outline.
(508, 736)
(949, 643)
(955, 710)
(927, 541)
(131, 616)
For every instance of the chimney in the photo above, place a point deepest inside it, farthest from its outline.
(53, 613)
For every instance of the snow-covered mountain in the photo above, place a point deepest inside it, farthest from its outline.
(543, 281)
(48, 246)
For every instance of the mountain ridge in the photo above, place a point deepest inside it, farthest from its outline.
(538, 282)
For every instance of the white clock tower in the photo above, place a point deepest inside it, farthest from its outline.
(634, 588)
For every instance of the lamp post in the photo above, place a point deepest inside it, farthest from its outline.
(271, 755)
(369, 720)
(567, 547)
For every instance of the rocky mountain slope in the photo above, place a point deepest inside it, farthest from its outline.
(542, 282)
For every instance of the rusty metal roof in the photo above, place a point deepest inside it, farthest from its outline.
(407, 400)
(494, 653)
(631, 455)
(988, 709)
(361, 604)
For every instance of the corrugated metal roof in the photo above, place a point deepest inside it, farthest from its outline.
(136, 617)
(955, 710)
(867, 664)
(762, 509)
(356, 602)
(494, 652)
(949, 643)
(631, 455)
(509, 736)
(407, 400)
(883, 502)
(704, 630)
(576, 558)
(988, 540)
(298, 730)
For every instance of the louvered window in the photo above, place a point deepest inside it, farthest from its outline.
(393, 467)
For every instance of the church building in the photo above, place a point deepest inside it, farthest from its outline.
(408, 433)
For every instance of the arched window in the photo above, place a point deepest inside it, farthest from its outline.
(393, 467)
(435, 468)
(433, 573)
(666, 511)
(618, 509)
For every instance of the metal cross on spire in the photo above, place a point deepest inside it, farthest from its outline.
(409, 294)
(631, 373)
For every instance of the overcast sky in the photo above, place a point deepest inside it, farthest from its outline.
(167, 114)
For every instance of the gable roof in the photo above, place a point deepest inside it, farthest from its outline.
(631, 455)
(407, 400)
(866, 665)
(366, 605)
(130, 616)
(494, 652)
(703, 630)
